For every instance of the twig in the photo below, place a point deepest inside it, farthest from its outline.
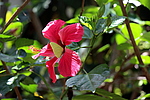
(14, 15)
(82, 8)
(15, 88)
(136, 50)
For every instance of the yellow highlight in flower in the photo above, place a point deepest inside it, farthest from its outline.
(57, 49)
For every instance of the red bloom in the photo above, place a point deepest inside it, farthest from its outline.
(68, 60)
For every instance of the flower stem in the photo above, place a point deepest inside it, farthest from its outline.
(136, 50)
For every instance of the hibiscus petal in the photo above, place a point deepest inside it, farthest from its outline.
(69, 64)
(50, 65)
(45, 51)
(71, 33)
(52, 29)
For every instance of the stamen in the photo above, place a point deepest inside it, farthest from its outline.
(34, 49)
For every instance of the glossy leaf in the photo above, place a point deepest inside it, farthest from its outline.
(87, 33)
(8, 83)
(4, 88)
(100, 26)
(116, 20)
(90, 81)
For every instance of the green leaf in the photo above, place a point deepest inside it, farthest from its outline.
(23, 42)
(124, 46)
(87, 33)
(5, 38)
(7, 83)
(29, 85)
(116, 20)
(144, 45)
(143, 97)
(109, 95)
(17, 26)
(7, 58)
(101, 49)
(73, 46)
(134, 27)
(118, 10)
(4, 88)
(101, 2)
(91, 80)
(145, 59)
(89, 97)
(26, 73)
(100, 26)
(30, 88)
(1, 45)
(146, 3)
(146, 36)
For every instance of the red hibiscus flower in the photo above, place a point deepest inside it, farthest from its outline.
(68, 60)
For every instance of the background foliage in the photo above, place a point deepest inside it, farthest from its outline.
(111, 69)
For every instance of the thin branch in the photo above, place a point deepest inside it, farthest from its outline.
(14, 15)
(15, 88)
(136, 50)
(82, 8)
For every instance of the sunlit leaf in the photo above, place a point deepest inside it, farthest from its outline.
(100, 2)
(144, 45)
(14, 28)
(124, 46)
(146, 60)
(5, 38)
(29, 85)
(118, 10)
(146, 36)
(146, 3)
(101, 49)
